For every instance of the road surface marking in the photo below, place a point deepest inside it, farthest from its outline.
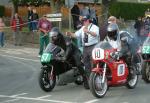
(18, 94)
(92, 101)
(35, 99)
(44, 96)
(20, 58)
(12, 100)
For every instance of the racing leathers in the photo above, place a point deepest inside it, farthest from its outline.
(126, 47)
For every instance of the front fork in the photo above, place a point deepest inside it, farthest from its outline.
(104, 73)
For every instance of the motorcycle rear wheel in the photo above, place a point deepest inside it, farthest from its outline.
(47, 81)
(132, 79)
(146, 72)
(98, 88)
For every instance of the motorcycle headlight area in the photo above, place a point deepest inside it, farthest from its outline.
(98, 54)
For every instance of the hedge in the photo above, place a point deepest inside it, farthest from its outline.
(128, 11)
(2, 10)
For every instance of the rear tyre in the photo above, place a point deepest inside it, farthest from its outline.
(98, 88)
(146, 72)
(47, 81)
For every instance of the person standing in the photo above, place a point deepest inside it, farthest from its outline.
(75, 11)
(44, 27)
(1, 32)
(138, 26)
(92, 12)
(90, 37)
(17, 24)
(34, 22)
(84, 11)
(30, 12)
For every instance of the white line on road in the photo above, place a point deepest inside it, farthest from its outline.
(35, 99)
(92, 101)
(18, 94)
(20, 58)
(43, 96)
(8, 101)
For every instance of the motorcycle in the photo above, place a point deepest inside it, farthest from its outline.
(54, 66)
(145, 51)
(110, 72)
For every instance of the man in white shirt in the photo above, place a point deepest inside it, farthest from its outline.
(89, 33)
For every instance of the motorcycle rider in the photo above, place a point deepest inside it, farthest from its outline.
(123, 42)
(72, 53)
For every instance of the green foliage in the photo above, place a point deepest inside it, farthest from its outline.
(2, 10)
(128, 11)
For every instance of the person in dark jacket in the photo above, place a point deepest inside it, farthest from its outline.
(138, 26)
(75, 11)
(30, 12)
(34, 19)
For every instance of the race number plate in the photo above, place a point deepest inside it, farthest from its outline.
(121, 70)
(46, 57)
(146, 50)
(98, 54)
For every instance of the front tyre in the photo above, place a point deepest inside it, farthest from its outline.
(146, 72)
(132, 79)
(98, 88)
(47, 80)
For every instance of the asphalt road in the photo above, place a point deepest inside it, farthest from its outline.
(19, 69)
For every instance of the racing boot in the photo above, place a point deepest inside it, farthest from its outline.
(85, 82)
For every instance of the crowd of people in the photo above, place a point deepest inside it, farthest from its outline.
(84, 10)
(142, 24)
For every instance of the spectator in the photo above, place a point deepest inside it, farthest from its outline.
(84, 11)
(17, 24)
(112, 19)
(138, 26)
(34, 19)
(92, 12)
(75, 11)
(30, 12)
(1, 32)
(89, 33)
(44, 26)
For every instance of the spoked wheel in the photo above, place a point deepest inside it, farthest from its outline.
(132, 79)
(47, 80)
(98, 88)
(146, 73)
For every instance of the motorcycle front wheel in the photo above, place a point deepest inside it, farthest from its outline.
(47, 80)
(146, 72)
(98, 88)
(132, 79)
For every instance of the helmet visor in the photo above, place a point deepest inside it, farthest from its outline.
(53, 34)
(112, 35)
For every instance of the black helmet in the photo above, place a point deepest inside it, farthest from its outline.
(54, 34)
(112, 31)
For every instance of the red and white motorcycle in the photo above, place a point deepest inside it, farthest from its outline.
(109, 72)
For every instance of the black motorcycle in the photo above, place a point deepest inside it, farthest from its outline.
(145, 50)
(54, 66)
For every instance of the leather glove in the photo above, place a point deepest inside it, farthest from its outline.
(115, 55)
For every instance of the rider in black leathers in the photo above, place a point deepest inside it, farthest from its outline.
(72, 53)
(124, 43)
